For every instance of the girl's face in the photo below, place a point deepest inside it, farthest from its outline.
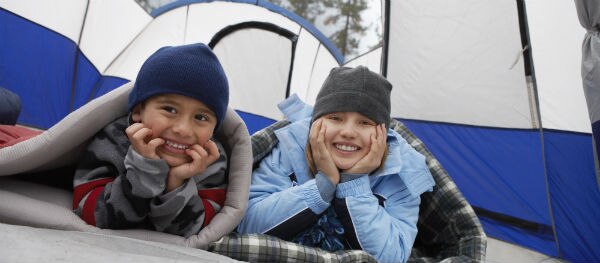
(181, 121)
(348, 137)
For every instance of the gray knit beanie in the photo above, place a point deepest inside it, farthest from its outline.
(355, 90)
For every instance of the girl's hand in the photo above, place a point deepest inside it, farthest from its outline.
(321, 156)
(138, 134)
(202, 157)
(373, 159)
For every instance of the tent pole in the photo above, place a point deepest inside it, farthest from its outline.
(75, 64)
(386, 38)
(530, 68)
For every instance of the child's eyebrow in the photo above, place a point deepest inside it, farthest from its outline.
(207, 111)
(202, 109)
(167, 100)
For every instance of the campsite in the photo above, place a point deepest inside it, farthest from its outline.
(501, 92)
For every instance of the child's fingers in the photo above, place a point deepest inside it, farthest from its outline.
(383, 139)
(212, 150)
(195, 154)
(199, 150)
(141, 134)
(371, 155)
(201, 158)
(154, 143)
(314, 132)
(377, 144)
(321, 137)
(133, 128)
(380, 143)
(382, 135)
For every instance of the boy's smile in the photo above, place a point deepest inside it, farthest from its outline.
(180, 121)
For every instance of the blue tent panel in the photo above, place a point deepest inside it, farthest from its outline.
(500, 170)
(254, 122)
(574, 194)
(36, 60)
(87, 77)
(90, 83)
(106, 84)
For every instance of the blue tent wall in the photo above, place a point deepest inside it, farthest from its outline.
(35, 60)
(502, 170)
(574, 194)
(39, 65)
(90, 84)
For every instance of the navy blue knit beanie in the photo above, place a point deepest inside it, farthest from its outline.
(189, 70)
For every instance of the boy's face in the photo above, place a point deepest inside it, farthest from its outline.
(348, 137)
(180, 121)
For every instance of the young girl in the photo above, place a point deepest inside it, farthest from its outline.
(339, 178)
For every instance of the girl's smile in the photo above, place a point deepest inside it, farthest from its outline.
(348, 137)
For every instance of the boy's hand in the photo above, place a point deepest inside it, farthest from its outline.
(321, 156)
(137, 134)
(373, 159)
(202, 157)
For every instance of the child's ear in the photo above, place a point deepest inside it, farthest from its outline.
(136, 113)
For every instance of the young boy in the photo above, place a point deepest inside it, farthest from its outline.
(159, 167)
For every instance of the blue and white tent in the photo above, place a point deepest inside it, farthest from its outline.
(493, 88)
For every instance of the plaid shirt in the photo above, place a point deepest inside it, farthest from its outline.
(449, 229)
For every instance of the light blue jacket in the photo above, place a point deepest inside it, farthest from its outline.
(379, 211)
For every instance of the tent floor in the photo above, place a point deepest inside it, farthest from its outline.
(500, 251)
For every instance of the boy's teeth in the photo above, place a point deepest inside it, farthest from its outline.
(177, 145)
(346, 147)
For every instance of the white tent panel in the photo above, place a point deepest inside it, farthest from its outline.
(324, 62)
(206, 19)
(257, 70)
(556, 38)
(458, 61)
(110, 26)
(371, 60)
(165, 30)
(306, 51)
(62, 16)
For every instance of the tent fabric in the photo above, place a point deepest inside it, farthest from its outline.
(555, 35)
(484, 91)
(24, 204)
(445, 55)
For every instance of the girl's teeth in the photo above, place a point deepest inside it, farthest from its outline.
(177, 145)
(346, 147)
